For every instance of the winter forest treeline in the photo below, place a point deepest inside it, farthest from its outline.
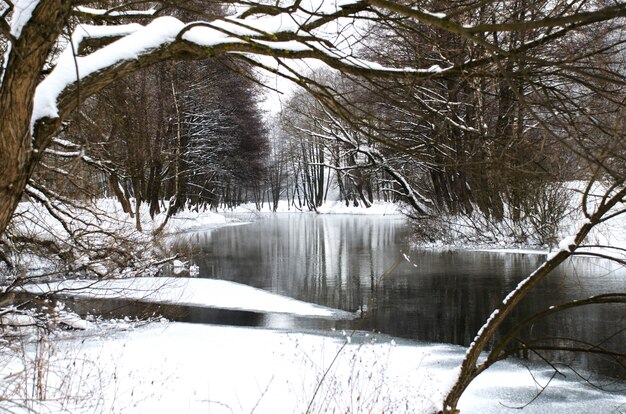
(493, 150)
(187, 133)
(195, 135)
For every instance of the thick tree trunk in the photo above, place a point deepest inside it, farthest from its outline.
(119, 194)
(18, 153)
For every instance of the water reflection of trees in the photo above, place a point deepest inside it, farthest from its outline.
(446, 298)
(329, 260)
(592, 327)
(440, 296)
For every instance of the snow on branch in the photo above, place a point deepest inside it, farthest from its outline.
(22, 12)
(285, 35)
(70, 68)
(114, 12)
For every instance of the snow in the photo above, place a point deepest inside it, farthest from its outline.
(185, 368)
(519, 286)
(103, 12)
(16, 319)
(330, 207)
(72, 320)
(514, 251)
(136, 40)
(476, 232)
(567, 244)
(377, 208)
(109, 215)
(22, 12)
(192, 292)
(207, 36)
(194, 220)
(482, 328)
(437, 15)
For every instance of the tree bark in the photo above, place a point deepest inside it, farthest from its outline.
(119, 194)
(18, 155)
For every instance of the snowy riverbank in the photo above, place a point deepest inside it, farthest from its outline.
(184, 368)
(163, 367)
(211, 293)
(330, 207)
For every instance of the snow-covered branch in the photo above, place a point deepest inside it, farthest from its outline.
(115, 12)
(283, 35)
(471, 367)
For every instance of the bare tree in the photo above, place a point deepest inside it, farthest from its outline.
(358, 159)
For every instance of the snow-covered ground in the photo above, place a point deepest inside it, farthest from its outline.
(186, 368)
(33, 218)
(329, 207)
(212, 293)
(534, 236)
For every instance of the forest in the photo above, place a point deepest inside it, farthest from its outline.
(482, 119)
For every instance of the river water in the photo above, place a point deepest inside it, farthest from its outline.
(364, 263)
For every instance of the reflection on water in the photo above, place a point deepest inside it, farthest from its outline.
(357, 262)
(327, 260)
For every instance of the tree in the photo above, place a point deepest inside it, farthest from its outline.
(360, 162)
(93, 62)
(546, 58)
(181, 132)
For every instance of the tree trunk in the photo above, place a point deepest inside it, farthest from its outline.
(18, 154)
(119, 194)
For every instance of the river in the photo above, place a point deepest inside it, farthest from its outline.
(364, 263)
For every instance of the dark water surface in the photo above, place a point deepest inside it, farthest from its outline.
(358, 263)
